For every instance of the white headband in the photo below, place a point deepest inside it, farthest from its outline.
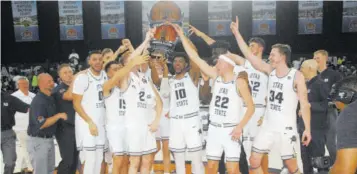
(226, 59)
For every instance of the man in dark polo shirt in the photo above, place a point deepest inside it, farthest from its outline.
(317, 94)
(9, 106)
(42, 127)
(65, 134)
(330, 77)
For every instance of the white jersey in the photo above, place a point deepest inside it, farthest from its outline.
(136, 97)
(258, 83)
(91, 87)
(282, 101)
(22, 119)
(184, 100)
(115, 108)
(226, 105)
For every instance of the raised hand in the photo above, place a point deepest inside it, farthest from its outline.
(178, 29)
(192, 30)
(123, 47)
(235, 26)
(150, 34)
(140, 59)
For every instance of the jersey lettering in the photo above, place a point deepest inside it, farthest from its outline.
(276, 96)
(142, 103)
(221, 102)
(181, 97)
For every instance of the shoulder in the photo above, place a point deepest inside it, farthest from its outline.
(16, 93)
(298, 76)
(32, 94)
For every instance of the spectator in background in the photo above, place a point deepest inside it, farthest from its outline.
(73, 59)
(22, 121)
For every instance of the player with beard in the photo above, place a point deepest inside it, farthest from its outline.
(286, 88)
(226, 123)
(185, 123)
(90, 113)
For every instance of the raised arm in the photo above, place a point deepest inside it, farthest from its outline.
(236, 58)
(257, 63)
(138, 51)
(202, 35)
(300, 85)
(68, 95)
(192, 54)
(154, 74)
(123, 72)
(194, 70)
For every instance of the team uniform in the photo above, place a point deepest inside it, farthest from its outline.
(115, 122)
(225, 112)
(185, 123)
(259, 86)
(91, 87)
(280, 128)
(138, 115)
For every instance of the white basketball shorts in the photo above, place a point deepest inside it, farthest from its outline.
(185, 133)
(85, 140)
(251, 129)
(285, 140)
(219, 140)
(116, 138)
(163, 133)
(140, 141)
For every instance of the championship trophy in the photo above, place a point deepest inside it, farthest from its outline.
(165, 37)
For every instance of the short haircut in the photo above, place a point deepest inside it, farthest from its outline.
(63, 65)
(180, 54)
(221, 44)
(322, 52)
(257, 40)
(109, 64)
(106, 50)
(94, 52)
(285, 50)
(20, 78)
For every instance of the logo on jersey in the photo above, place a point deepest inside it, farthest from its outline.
(6, 104)
(289, 77)
(148, 96)
(133, 86)
(99, 87)
(144, 80)
(326, 80)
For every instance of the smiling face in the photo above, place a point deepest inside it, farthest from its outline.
(179, 64)
(96, 62)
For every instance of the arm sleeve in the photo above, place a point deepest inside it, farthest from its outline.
(18, 105)
(38, 114)
(80, 84)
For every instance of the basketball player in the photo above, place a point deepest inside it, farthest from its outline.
(229, 93)
(259, 84)
(286, 88)
(139, 95)
(90, 112)
(159, 76)
(185, 123)
(115, 110)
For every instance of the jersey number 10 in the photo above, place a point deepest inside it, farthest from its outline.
(180, 94)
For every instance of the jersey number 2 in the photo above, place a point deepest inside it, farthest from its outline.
(278, 96)
(221, 102)
(141, 96)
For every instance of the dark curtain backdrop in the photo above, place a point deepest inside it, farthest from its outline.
(50, 47)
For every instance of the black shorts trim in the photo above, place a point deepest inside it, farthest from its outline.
(213, 158)
(287, 157)
(119, 153)
(256, 150)
(149, 151)
(177, 150)
(195, 149)
(232, 159)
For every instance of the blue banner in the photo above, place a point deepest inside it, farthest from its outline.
(219, 18)
(24, 14)
(264, 17)
(71, 20)
(112, 19)
(310, 17)
(349, 16)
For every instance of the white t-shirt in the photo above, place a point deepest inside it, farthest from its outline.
(22, 119)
